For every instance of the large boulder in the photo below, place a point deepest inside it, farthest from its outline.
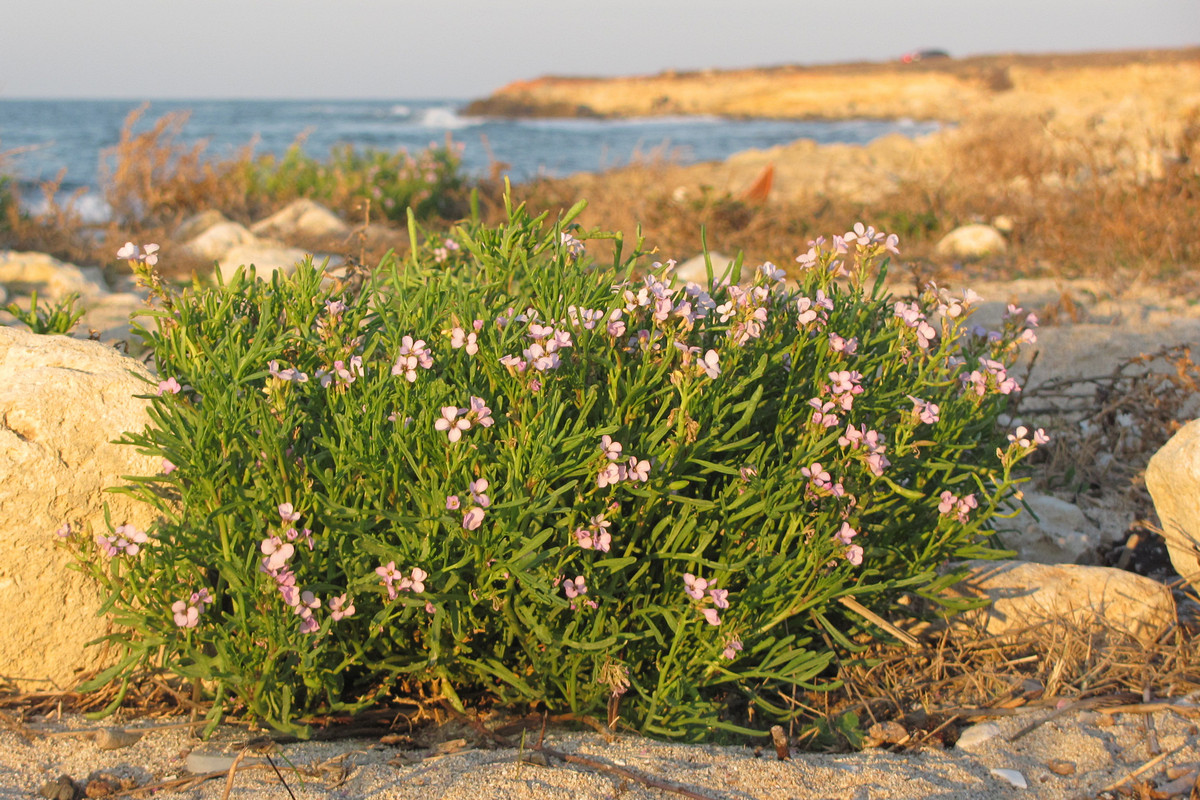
(219, 239)
(62, 403)
(1022, 595)
(53, 280)
(971, 242)
(302, 219)
(266, 260)
(1173, 478)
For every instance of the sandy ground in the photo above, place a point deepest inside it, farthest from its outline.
(1094, 750)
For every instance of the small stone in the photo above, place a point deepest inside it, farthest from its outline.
(115, 738)
(61, 789)
(1012, 776)
(890, 732)
(976, 735)
(1060, 767)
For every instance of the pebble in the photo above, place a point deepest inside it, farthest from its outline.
(1061, 767)
(1012, 776)
(976, 735)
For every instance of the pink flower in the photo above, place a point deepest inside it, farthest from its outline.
(638, 470)
(610, 475)
(479, 413)
(168, 467)
(854, 554)
(473, 518)
(277, 553)
(845, 533)
(287, 513)
(711, 616)
(711, 364)
(186, 616)
(925, 411)
(720, 597)
(478, 487)
(340, 607)
(451, 423)
(169, 386)
(576, 587)
(694, 587)
(452, 503)
(612, 449)
(732, 648)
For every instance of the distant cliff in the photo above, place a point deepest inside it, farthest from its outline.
(943, 89)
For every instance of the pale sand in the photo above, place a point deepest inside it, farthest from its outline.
(1102, 754)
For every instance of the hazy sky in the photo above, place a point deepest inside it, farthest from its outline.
(467, 48)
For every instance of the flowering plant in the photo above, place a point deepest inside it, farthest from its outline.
(535, 478)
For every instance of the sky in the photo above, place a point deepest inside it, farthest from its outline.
(165, 49)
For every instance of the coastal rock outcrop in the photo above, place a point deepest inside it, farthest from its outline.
(302, 218)
(62, 403)
(53, 280)
(1173, 478)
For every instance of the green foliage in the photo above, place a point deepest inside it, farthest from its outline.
(432, 183)
(59, 318)
(688, 578)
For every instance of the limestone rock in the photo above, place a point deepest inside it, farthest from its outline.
(219, 239)
(111, 317)
(1173, 478)
(1024, 594)
(62, 403)
(971, 242)
(24, 273)
(302, 218)
(1060, 534)
(197, 224)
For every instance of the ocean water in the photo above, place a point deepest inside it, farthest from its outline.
(42, 137)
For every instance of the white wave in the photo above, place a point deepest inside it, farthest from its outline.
(91, 208)
(400, 110)
(445, 118)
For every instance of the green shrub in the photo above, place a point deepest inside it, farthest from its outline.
(530, 478)
(59, 318)
(431, 183)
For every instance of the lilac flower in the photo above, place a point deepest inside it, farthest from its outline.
(64, 531)
(961, 507)
(638, 470)
(451, 423)
(720, 597)
(817, 475)
(340, 607)
(1021, 434)
(854, 554)
(478, 487)
(186, 616)
(732, 648)
(612, 449)
(277, 553)
(610, 475)
(287, 513)
(479, 413)
(168, 467)
(390, 575)
(576, 587)
(131, 252)
(694, 587)
(412, 354)
(169, 386)
(473, 518)
(823, 414)
(711, 616)
(468, 341)
(415, 582)
(772, 272)
(841, 345)
(573, 246)
(926, 411)
(711, 364)
(845, 533)
(452, 503)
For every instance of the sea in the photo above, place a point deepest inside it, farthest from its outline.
(41, 139)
